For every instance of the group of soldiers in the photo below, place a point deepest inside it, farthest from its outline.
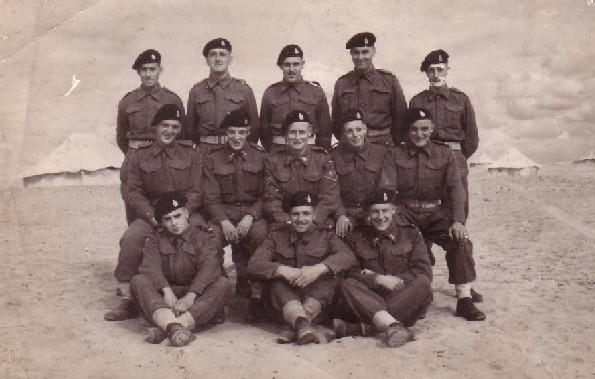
(340, 235)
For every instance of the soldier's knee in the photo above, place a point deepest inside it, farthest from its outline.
(139, 281)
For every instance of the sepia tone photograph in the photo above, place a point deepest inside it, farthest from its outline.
(275, 189)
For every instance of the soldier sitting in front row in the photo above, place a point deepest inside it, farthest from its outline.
(391, 287)
(301, 262)
(180, 285)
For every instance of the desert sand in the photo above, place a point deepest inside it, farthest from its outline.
(533, 249)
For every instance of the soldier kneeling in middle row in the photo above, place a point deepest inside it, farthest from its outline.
(391, 289)
(301, 262)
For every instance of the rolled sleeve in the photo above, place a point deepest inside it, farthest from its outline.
(262, 265)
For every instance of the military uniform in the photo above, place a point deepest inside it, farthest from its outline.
(208, 103)
(281, 98)
(133, 124)
(358, 173)
(400, 252)
(431, 196)
(233, 187)
(312, 171)
(379, 95)
(454, 123)
(287, 247)
(186, 263)
(154, 171)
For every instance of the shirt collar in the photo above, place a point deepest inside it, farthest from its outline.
(295, 85)
(392, 233)
(231, 153)
(212, 82)
(368, 75)
(156, 149)
(155, 93)
(306, 237)
(304, 157)
(413, 150)
(443, 91)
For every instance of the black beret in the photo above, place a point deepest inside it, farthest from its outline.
(217, 43)
(147, 56)
(289, 51)
(294, 116)
(167, 203)
(298, 199)
(167, 112)
(353, 114)
(365, 39)
(379, 196)
(436, 56)
(416, 114)
(238, 118)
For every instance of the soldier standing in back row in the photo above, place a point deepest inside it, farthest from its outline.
(375, 92)
(214, 97)
(454, 118)
(293, 93)
(136, 111)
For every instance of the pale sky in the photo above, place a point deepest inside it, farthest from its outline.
(528, 66)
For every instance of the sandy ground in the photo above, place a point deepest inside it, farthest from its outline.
(534, 245)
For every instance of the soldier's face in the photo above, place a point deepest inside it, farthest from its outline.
(355, 132)
(167, 131)
(149, 74)
(218, 60)
(301, 218)
(236, 137)
(176, 222)
(298, 134)
(437, 73)
(292, 69)
(362, 57)
(381, 215)
(420, 132)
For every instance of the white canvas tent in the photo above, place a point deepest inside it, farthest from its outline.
(590, 158)
(82, 159)
(478, 160)
(513, 162)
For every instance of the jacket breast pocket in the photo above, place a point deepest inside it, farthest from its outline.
(134, 117)
(205, 107)
(312, 177)
(308, 104)
(380, 99)
(406, 175)
(454, 116)
(315, 255)
(348, 99)
(224, 174)
(181, 173)
(435, 173)
(284, 181)
(235, 101)
(151, 175)
(286, 255)
(254, 178)
(372, 174)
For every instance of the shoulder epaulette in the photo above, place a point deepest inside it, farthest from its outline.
(345, 75)
(170, 91)
(187, 143)
(315, 84)
(386, 72)
(274, 85)
(199, 83)
(257, 146)
(439, 142)
(241, 81)
(128, 93)
(457, 91)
